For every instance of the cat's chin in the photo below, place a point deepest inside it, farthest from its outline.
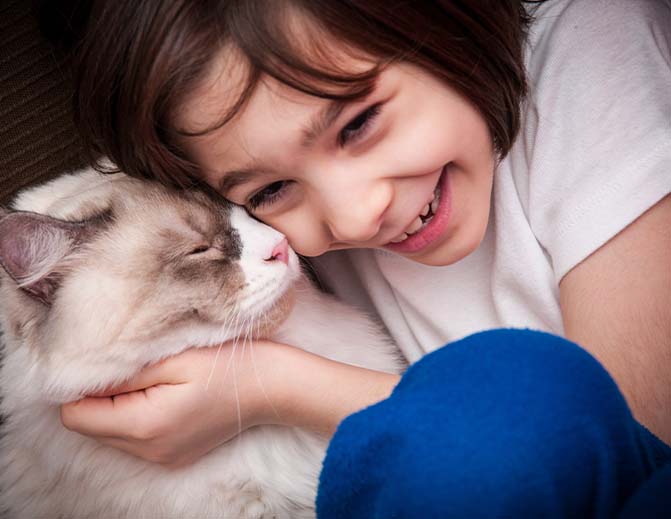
(265, 307)
(275, 315)
(90, 382)
(57, 393)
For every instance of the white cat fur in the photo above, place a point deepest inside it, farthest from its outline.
(51, 472)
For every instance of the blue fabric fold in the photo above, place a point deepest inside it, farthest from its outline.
(504, 423)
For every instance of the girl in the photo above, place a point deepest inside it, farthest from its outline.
(400, 136)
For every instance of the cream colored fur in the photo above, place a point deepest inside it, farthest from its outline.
(112, 315)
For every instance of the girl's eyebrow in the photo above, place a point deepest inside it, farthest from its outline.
(234, 178)
(319, 123)
(322, 121)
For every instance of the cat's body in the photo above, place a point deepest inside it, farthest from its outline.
(93, 311)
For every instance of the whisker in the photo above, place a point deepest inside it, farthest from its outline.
(258, 378)
(237, 402)
(230, 359)
(214, 365)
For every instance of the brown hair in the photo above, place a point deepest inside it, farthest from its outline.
(138, 60)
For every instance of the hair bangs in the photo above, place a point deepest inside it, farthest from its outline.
(138, 62)
(306, 58)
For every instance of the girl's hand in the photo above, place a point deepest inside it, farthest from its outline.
(181, 408)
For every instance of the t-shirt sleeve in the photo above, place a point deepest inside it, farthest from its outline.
(598, 134)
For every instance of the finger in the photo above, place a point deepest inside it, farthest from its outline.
(125, 416)
(164, 372)
(139, 450)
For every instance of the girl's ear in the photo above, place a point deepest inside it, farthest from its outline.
(33, 247)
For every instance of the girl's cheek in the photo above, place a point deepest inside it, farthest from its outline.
(412, 150)
(279, 225)
(301, 232)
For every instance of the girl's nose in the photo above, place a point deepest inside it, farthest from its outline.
(355, 214)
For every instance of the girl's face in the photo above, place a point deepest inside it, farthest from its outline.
(336, 175)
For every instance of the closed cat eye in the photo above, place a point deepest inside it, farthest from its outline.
(200, 249)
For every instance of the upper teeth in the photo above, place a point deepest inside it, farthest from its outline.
(417, 223)
(434, 205)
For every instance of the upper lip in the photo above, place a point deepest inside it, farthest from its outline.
(389, 237)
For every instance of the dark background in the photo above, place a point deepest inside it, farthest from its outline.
(37, 136)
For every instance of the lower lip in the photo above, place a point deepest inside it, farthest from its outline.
(435, 228)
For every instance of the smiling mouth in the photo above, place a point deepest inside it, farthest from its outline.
(422, 219)
(425, 217)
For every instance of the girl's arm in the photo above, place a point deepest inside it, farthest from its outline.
(178, 410)
(617, 304)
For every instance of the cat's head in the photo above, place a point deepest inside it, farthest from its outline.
(104, 274)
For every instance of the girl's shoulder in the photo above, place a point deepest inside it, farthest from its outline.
(594, 151)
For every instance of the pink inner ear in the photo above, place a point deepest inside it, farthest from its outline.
(32, 246)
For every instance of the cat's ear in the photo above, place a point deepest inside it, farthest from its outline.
(33, 247)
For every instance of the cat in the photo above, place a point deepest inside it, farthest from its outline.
(104, 274)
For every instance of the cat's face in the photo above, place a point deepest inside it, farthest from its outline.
(144, 276)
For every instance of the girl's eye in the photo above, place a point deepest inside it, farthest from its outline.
(358, 126)
(268, 195)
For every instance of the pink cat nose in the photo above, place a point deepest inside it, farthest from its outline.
(280, 252)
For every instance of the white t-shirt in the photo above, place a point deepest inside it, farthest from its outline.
(593, 154)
